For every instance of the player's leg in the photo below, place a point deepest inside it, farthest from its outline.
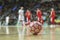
(19, 18)
(19, 24)
(23, 26)
(38, 19)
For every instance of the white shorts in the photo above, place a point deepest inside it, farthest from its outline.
(20, 17)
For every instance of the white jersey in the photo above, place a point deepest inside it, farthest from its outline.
(21, 14)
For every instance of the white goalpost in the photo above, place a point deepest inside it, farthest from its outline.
(0, 24)
(7, 21)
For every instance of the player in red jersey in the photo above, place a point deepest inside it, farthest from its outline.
(52, 26)
(28, 15)
(39, 14)
(52, 16)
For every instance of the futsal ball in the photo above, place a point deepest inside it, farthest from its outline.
(35, 28)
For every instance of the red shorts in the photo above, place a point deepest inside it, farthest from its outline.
(28, 19)
(52, 20)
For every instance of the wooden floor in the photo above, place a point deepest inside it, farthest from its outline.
(46, 35)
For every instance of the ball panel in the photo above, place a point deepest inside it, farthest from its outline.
(35, 28)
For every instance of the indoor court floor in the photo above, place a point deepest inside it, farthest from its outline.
(46, 35)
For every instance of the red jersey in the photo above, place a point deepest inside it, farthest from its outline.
(39, 13)
(53, 14)
(28, 14)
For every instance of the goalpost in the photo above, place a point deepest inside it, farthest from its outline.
(7, 21)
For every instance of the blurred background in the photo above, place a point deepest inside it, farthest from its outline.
(11, 7)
